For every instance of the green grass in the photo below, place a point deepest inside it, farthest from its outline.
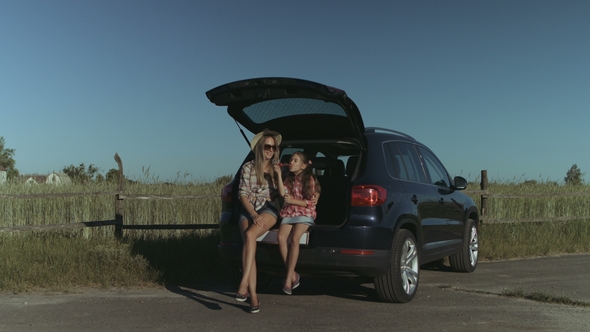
(63, 260)
(60, 210)
(516, 240)
(188, 259)
(59, 261)
(91, 257)
(526, 239)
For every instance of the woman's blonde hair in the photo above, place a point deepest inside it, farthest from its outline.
(259, 159)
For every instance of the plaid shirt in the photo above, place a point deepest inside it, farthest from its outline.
(290, 210)
(257, 194)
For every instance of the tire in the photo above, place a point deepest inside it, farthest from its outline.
(400, 284)
(466, 260)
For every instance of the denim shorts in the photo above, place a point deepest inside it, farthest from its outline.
(298, 220)
(266, 208)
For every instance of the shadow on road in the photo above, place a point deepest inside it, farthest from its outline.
(348, 288)
(207, 301)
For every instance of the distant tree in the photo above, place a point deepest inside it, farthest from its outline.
(81, 174)
(573, 176)
(99, 178)
(530, 183)
(7, 160)
(112, 175)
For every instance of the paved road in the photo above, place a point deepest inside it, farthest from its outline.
(446, 301)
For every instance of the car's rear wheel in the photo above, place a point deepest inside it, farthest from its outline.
(466, 260)
(400, 284)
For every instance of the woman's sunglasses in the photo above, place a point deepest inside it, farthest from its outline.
(270, 147)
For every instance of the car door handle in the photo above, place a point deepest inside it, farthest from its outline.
(414, 199)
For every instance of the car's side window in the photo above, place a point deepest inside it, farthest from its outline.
(392, 161)
(436, 172)
(411, 162)
(404, 163)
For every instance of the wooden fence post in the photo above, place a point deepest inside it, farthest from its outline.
(119, 200)
(484, 197)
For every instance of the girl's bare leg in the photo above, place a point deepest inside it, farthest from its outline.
(282, 237)
(296, 233)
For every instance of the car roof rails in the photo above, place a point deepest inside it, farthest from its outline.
(375, 129)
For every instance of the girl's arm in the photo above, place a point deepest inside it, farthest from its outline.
(280, 183)
(317, 189)
(293, 201)
(305, 202)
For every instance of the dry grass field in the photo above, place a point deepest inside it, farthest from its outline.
(92, 257)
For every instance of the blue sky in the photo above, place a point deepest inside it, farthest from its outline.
(496, 85)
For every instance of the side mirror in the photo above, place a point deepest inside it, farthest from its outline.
(460, 183)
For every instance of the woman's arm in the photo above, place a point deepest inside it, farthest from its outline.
(246, 190)
(248, 206)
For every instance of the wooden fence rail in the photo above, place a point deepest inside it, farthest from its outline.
(120, 197)
(118, 222)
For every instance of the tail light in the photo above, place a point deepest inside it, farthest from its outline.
(226, 198)
(368, 195)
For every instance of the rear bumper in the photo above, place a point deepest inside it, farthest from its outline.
(328, 262)
(316, 261)
(332, 251)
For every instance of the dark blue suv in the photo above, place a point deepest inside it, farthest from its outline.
(387, 205)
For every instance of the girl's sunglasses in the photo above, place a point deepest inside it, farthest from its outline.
(270, 147)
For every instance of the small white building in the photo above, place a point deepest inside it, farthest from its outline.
(55, 178)
(34, 179)
(58, 178)
(2, 175)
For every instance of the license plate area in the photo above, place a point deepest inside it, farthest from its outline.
(271, 237)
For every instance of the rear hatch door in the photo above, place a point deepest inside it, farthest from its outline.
(297, 109)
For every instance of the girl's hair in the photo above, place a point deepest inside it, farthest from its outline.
(259, 160)
(306, 176)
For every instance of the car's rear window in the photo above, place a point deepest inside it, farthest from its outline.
(278, 108)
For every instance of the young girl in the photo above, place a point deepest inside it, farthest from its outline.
(301, 191)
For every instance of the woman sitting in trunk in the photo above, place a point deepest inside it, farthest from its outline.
(258, 190)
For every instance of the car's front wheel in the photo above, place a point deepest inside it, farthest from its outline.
(466, 260)
(400, 284)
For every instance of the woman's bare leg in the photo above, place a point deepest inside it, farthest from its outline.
(243, 225)
(249, 268)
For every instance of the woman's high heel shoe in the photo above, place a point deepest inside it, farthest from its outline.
(242, 297)
(254, 309)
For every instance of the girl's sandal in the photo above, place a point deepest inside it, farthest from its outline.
(287, 290)
(296, 283)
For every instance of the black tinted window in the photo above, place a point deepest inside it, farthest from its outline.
(403, 162)
(436, 172)
(278, 108)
